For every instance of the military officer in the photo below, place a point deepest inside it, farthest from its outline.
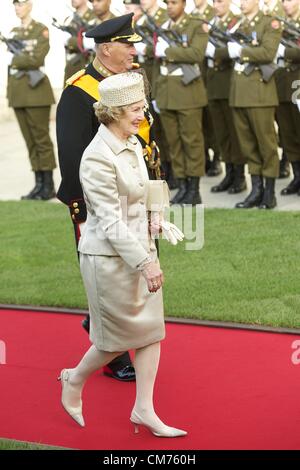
(288, 115)
(30, 95)
(181, 101)
(152, 9)
(203, 10)
(219, 73)
(275, 9)
(253, 97)
(77, 125)
(76, 56)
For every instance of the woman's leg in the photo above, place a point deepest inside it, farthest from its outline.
(143, 413)
(91, 361)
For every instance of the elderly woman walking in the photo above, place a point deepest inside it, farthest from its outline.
(118, 257)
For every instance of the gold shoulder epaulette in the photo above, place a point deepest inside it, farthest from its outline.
(75, 77)
(135, 65)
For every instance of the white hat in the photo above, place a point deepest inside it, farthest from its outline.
(122, 89)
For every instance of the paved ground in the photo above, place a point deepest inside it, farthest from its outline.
(16, 177)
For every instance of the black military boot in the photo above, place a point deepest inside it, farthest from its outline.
(255, 197)
(269, 199)
(215, 168)
(47, 191)
(239, 181)
(294, 185)
(34, 193)
(182, 185)
(192, 195)
(227, 181)
(284, 167)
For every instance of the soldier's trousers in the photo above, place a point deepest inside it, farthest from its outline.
(210, 138)
(34, 125)
(257, 138)
(183, 130)
(288, 118)
(225, 132)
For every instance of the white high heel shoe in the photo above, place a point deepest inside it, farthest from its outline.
(159, 431)
(74, 412)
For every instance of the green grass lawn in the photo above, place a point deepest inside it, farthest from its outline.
(248, 270)
(9, 444)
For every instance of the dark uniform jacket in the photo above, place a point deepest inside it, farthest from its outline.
(76, 126)
(19, 93)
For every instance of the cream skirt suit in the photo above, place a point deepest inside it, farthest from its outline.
(115, 240)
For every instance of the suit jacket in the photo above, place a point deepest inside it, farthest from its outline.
(114, 180)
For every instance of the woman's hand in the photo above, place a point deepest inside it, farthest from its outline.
(154, 276)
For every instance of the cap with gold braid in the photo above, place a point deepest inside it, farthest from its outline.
(119, 29)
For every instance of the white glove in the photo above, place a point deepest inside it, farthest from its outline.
(298, 104)
(155, 107)
(234, 50)
(140, 48)
(280, 52)
(161, 46)
(171, 232)
(88, 43)
(210, 50)
(9, 58)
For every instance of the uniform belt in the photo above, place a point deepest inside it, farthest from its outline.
(13, 71)
(175, 73)
(239, 67)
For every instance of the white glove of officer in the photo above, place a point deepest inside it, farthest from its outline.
(171, 233)
(161, 46)
(210, 50)
(234, 50)
(140, 48)
(88, 43)
(280, 52)
(155, 107)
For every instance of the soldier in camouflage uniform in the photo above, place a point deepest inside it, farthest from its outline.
(181, 104)
(205, 11)
(288, 114)
(32, 101)
(76, 57)
(253, 97)
(219, 71)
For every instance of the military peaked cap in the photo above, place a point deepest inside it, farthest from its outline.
(119, 29)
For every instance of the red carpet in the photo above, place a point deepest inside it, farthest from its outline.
(230, 389)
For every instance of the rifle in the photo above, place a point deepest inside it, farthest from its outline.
(16, 46)
(66, 28)
(190, 72)
(146, 38)
(267, 70)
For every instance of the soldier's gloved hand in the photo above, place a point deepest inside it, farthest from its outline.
(88, 43)
(210, 50)
(280, 52)
(140, 48)
(171, 232)
(234, 50)
(161, 46)
(155, 107)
